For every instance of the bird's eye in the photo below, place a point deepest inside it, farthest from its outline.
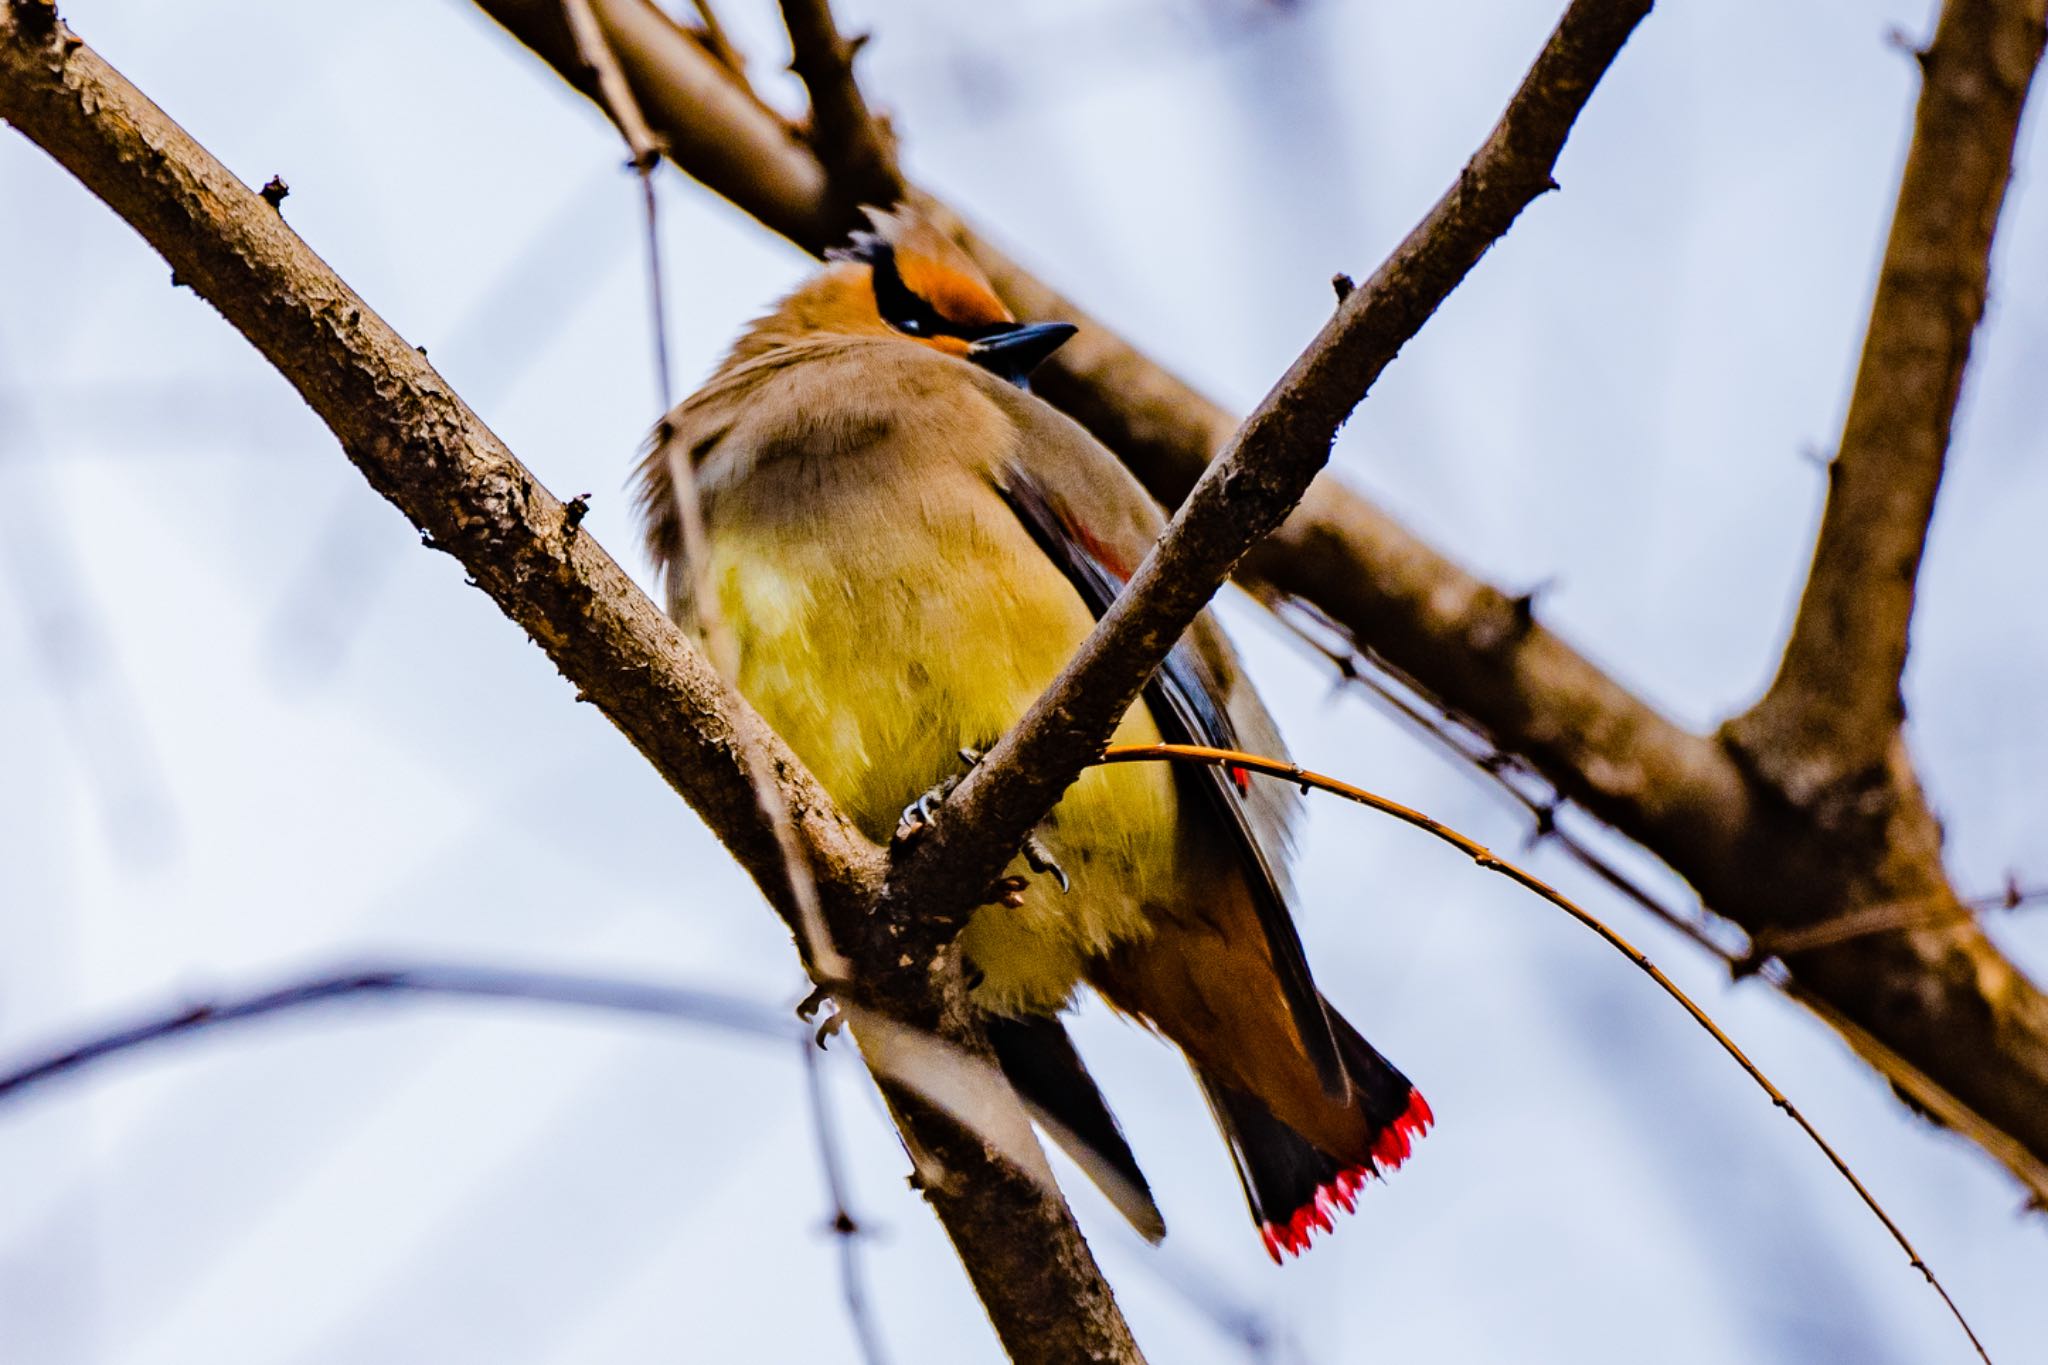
(899, 307)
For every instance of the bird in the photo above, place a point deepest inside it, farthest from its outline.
(905, 545)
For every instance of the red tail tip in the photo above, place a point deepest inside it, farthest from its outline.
(1394, 1145)
(1396, 1142)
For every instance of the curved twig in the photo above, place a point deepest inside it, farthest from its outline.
(1493, 862)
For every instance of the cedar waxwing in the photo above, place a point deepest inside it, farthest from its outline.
(908, 546)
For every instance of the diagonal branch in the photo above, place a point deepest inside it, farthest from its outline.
(423, 449)
(1264, 471)
(851, 144)
(1934, 1007)
(1830, 718)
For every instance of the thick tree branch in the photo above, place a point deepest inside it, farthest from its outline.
(1264, 470)
(424, 450)
(1828, 722)
(1942, 1003)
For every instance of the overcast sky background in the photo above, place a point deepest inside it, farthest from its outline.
(248, 726)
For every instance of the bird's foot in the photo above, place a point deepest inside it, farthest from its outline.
(1007, 891)
(830, 1025)
(1039, 859)
(807, 1010)
(917, 816)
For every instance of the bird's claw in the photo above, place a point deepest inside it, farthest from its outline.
(917, 816)
(832, 1023)
(808, 1007)
(1039, 859)
(1007, 891)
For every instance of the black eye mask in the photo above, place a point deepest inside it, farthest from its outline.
(910, 314)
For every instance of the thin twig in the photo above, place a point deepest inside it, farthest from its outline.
(1486, 858)
(1777, 941)
(820, 953)
(964, 1086)
(1465, 740)
(612, 85)
(2012, 897)
(845, 1229)
(822, 956)
(712, 33)
(694, 1004)
(656, 292)
(690, 1004)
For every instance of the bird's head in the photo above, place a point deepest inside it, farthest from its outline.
(905, 278)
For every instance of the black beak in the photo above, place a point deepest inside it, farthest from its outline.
(1014, 354)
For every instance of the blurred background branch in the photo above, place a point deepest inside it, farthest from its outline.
(699, 1005)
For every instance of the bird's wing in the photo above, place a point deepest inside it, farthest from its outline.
(1199, 695)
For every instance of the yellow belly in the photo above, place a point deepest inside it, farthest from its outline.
(878, 656)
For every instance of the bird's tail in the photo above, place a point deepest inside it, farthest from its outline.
(1039, 1059)
(1294, 1185)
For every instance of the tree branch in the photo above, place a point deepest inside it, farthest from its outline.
(612, 85)
(422, 448)
(1943, 1004)
(1831, 717)
(1263, 472)
(851, 144)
